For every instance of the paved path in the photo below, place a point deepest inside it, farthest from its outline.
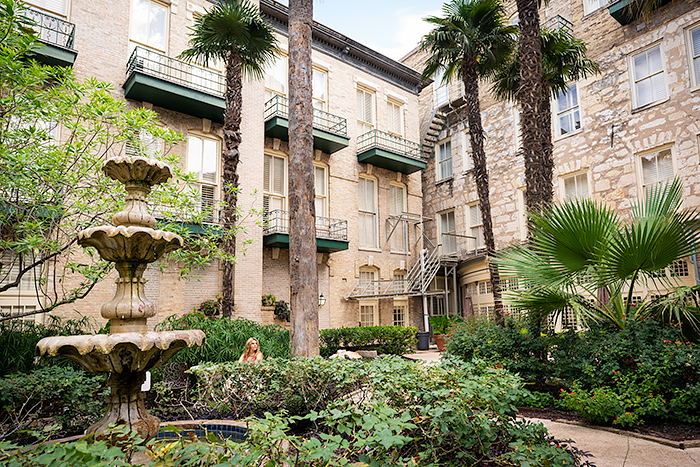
(609, 449)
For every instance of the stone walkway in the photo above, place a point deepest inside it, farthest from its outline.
(613, 448)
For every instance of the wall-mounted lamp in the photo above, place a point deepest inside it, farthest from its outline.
(321, 300)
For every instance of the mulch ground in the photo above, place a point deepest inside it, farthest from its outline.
(671, 430)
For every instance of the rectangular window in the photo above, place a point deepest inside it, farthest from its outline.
(472, 289)
(575, 187)
(400, 308)
(321, 188)
(593, 5)
(151, 146)
(441, 90)
(369, 237)
(397, 206)
(656, 167)
(648, 77)
(679, 268)
(276, 79)
(202, 159)
(54, 6)
(447, 232)
(149, 24)
(694, 54)
(444, 160)
(476, 228)
(399, 282)
(320, 89)
(568, 116)
(365, 110)
(24, 297)
(274, 183)
(368, 311)
(395, 116)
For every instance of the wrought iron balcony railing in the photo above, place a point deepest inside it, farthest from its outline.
(278, 106)
(177, 71)
(376, 139)
(52, 30)
(559, 23)
(205, 211)
(277, 222)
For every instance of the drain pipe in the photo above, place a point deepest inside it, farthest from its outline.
(694, 260)
(426, 324)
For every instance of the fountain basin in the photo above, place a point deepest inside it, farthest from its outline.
(129, 243)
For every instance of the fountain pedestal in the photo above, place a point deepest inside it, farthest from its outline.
(129, 350)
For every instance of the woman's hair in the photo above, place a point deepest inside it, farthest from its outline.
(249, 347)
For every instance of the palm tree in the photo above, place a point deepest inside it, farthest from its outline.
(583, 257)
(468, 42)
(232, 31)
(302, 220)
(563, 60)
(538, 171)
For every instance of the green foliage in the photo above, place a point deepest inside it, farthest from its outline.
(210, 308)
(394, 340)
(443, 323)
(296, 386)
(282, 310)
(599, 405)
(268, 300)
(18, 341)
(226, 338)
(536, 399)
(71, 398)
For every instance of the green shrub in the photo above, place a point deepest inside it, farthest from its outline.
(393, 340)
(536, 399)
(62, 395)
(296, 386)
(18, 339)
(226, 338)
(599, 405)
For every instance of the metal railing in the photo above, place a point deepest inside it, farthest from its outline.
(278, 106)
(392, 143)
(177, 71)
(558, 22)
(205, 211)
(51, 29)
(277, 221)
(447, 94)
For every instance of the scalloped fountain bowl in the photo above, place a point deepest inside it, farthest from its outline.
(130, 349)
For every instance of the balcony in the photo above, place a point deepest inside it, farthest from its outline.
(559, 23)
(331, 234)
(206, 216)
(390, 152)
(175, 85)
(330, 131)
(56, 37)
(623, 12)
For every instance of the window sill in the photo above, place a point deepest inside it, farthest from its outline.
(444, 180)
(369, 248)
(650, 105)
(695, 88)
(566, 135)
(399, 252)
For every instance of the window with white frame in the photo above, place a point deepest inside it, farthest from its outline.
(649, 83)
(395, 116)
(399, 281)
(368, 313)
(24, 297)
(151, 145)
(321, 188)
(368, 276)
(149, 24)
(693, 37)
(365, 110)
(203, 159)
(656, 167)
(467, 158)
(400, 311)
(679, 268)
(476, 228)
(574, 186)
(593, 5)
(568, 116)
(320, 89)
(274, 183)
(276, 78)
(369, 237)
(58, 7)
(444, 156)
(447, 232)
(368, 308)
(441, 90)
(397, 206)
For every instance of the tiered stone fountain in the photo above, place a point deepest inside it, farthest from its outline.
(129, 350)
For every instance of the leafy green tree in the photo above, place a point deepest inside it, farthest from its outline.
(583, 257)
(55, 134)
(235, 32)
(468, 42)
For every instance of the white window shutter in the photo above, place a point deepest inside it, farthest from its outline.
(320, 181)
(279, 175)
(649, 173)
(665, 165)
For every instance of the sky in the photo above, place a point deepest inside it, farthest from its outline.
(391, 27)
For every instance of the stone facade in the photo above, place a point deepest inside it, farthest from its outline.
(601, 159)
(104, 39)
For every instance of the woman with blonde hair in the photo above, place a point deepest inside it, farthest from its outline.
(252, 351)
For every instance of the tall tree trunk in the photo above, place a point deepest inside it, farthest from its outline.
(547, 161)
(303, 270)
(481, 177)
(538, 179)
(230, 158)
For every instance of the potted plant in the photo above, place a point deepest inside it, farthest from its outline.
(441, 325)
(282, 310)
(268, 300)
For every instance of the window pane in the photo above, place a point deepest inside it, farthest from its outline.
(644, 93)
(654, 60)
(194, 154)
(210, 159)
(658, 87)
(641, 70)
(279, 175)
(156, 28)
(139, 21)
(320, 181)
(319, 85)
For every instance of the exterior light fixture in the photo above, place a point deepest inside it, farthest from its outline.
(321, 300)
